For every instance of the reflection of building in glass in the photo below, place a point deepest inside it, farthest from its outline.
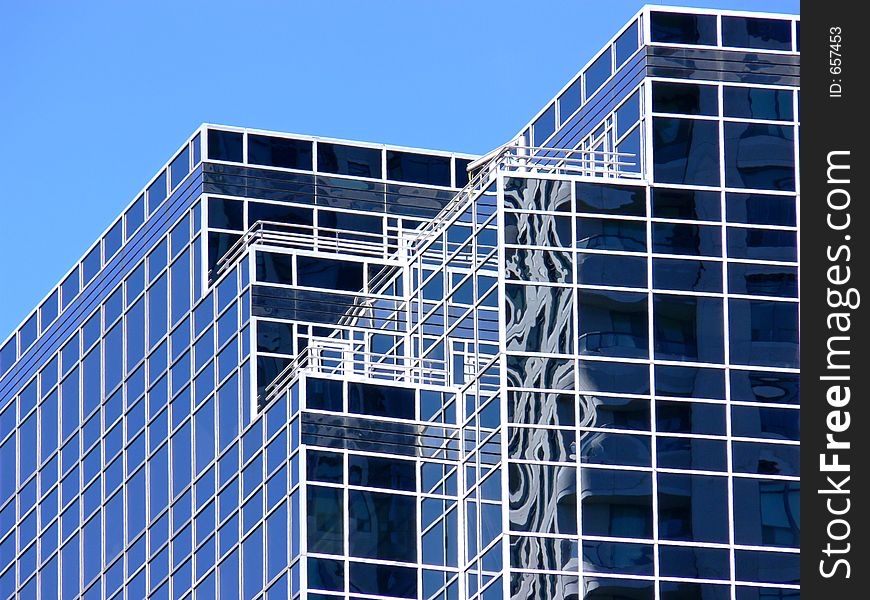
(567, 369)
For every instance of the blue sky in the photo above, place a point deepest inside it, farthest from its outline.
(97, 95)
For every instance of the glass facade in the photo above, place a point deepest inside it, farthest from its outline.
(310, 368)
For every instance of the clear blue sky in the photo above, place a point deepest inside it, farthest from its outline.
(96, 95)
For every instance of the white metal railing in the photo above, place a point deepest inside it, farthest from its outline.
(329, 357)
(516, 157)
(306, 237)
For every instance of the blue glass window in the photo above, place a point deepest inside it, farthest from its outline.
(382, 526)
(69, 288)
(626, 44)
(762, 244)
(569, 101)
(179, 168)
(349, 160)
(690, 382)
(388, 580)
(685, 151)
(597, 73)
(225, 145)
(683, 28)
(627, 114)
(47, 313)
(611, 199)
(690, 417)
(329, 274)
(762, 280)
(544, 127)
(279, 152)
(381, 472)
(611, 234)
(754, 32)
(606, 269)
(324, 394)
(616, 503)
(381, 400)
(325, 518)
(693, 507)
(758, 103)
(687, 275)
(759, 156)
(763, 332)
(157, 192)
(91, 264)
(135, 216)
(418, 168)
(761, 209)
(685, 98)
(688, 328)
(226, 214)
(686, 238)
(613, 324)
(762, 386)
(112, 241)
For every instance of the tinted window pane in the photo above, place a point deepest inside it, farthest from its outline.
(325, 518)
(324, 394)
(690, 417)
(760, 209)
(179, 168)
(759, 156)
(758, 103)
(693, 507)
(382, 526)
(349, 160)
(680, 28)
(611, 234)
(418, 168)
(226, 214)
(218, 244)
(614, 377)
(685, 98)
(279, 152)
(381, 400)
(691, 453)
(685, 238)
(157, 192)
(388, 580)
(694, 205)
(326, 574)
(613, 324)
(762, 386)
(325, 466)
(275, 268)
(461, 168)
(597, 73)
(569, 101)
(618, 412)
(279, 213)
(762, 244)
(135, 216)
(688, 328)
(330, 274)
(766, 513)
(381, 472)
(544, 126)
(627, 114)
(700, 563)
(616, 503)
(611, 199)
(690, 382)
(614, 557)
(761, 422)
(225, 145)
(274, 336)
(685, 151)
(626, 44)
(687, 275)
(764, 333)
(750, 32)
(762, 280)
(607, 269)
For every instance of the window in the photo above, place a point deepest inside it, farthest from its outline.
(597, 73)
(611, 199)
(688, 328)
(225, 145)
(349, 160)
(758, 103)
(759, 156)
(381, 400)
(754, 32)
(626, 44)
(680, 28)
(273, 267)
(687, 275)
(616, 503)
(382, 526)
(693, 507)
(685, 98)
(329, 274)
(226, 214)
(569, 101)
(613, 324)
(685, 151)
(763, 333)
(279, 152)
(544, 127)
(418, 168)
(760, 209)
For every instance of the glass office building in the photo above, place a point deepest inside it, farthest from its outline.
(309, 368)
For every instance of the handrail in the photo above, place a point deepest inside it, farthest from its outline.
(306, 237)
